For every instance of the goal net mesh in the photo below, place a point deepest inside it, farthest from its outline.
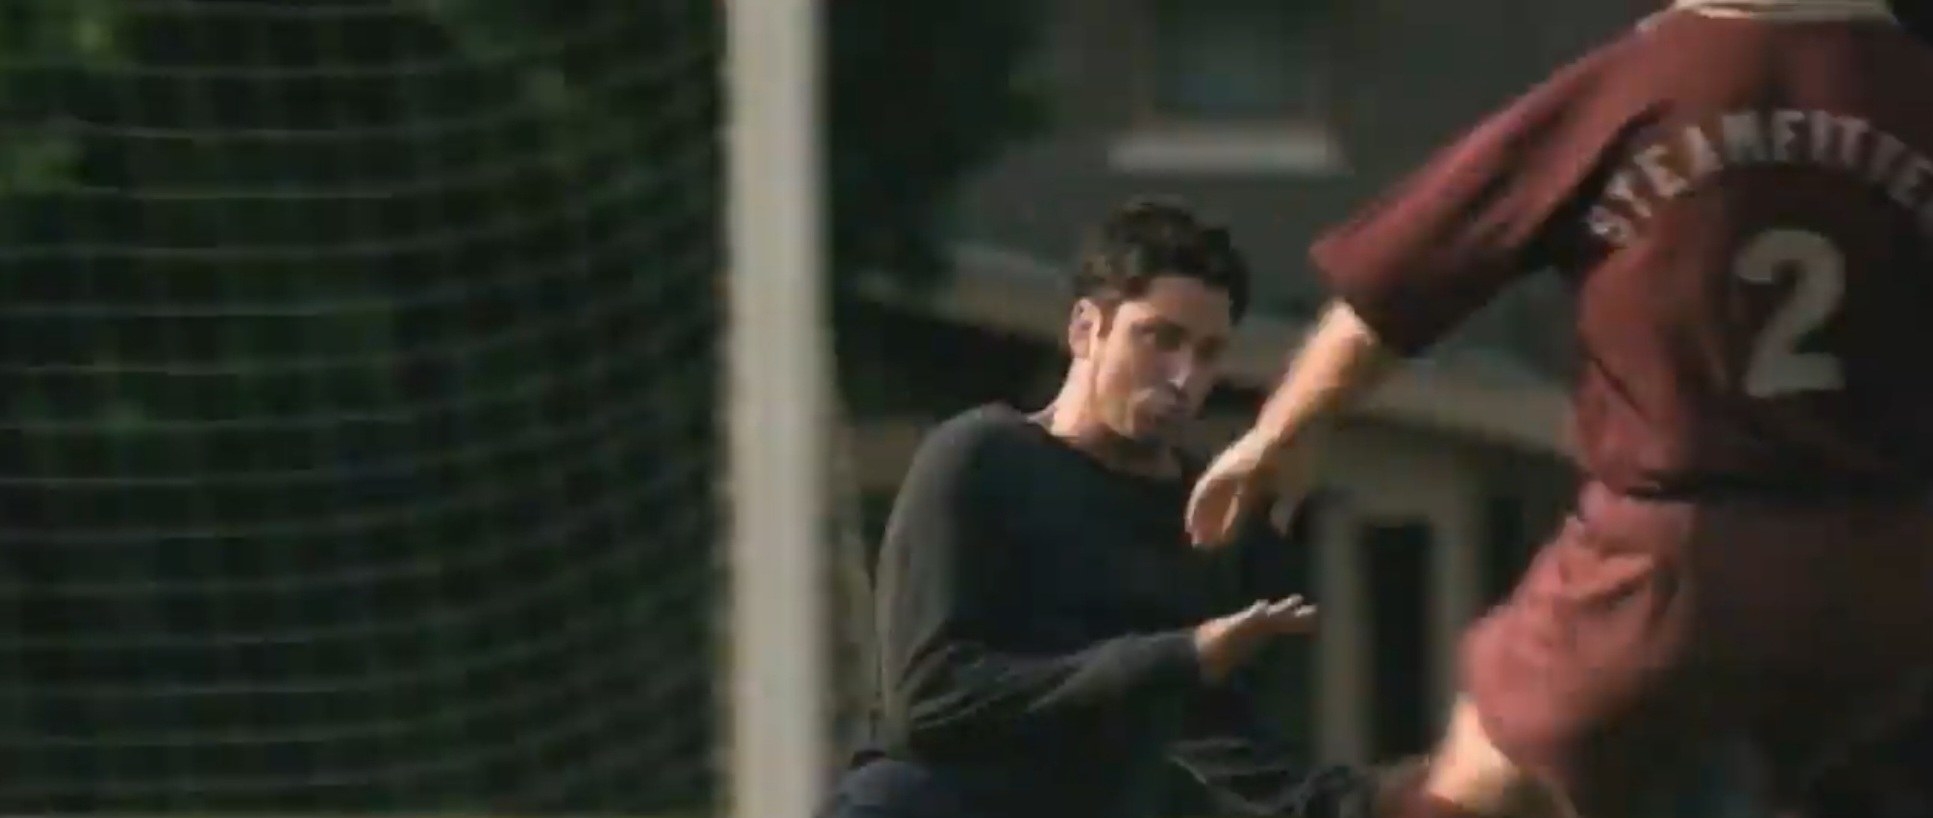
(358, 363)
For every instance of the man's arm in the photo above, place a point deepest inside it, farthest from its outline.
(1505, 200)
(1341, 361)
(950, 613)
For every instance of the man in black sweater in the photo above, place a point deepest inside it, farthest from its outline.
(1048, 640)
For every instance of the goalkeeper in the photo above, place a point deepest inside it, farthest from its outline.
(1048, 640)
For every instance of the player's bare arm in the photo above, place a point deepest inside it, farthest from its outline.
(1405, 272)
(1499, 203)
(1693, 392)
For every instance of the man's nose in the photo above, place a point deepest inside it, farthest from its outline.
(1181, 370)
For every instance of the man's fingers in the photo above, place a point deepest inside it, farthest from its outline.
(1267, 609)
(1250, 499)
(1292, 614)
(1292, 607)
(1285, 605)
(1282, 514)
(1226, 521)
(1217, 507)
(1198, 501)
(1209, 509)
(1297, 611)
(1301, 620)
(1247, 500)
(1252, 611)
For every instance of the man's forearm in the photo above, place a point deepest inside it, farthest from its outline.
(1339, 364)
(965, 692)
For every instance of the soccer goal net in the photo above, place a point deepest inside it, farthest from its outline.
(361, 366)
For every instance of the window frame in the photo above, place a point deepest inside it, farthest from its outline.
(1158, 141)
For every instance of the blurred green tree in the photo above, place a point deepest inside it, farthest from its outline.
(364, 356)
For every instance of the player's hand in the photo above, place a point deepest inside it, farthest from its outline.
(1254, 473)
(1227, 643)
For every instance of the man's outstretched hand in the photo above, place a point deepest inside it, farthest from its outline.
(1252, 475)
(1227, 643)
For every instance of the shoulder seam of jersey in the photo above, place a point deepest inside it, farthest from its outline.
(1789, 11)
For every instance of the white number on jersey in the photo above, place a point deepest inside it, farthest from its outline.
(1777, 367)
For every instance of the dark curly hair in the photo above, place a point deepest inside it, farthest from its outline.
(1145, 239)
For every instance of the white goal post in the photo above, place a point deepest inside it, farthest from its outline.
(779, 399)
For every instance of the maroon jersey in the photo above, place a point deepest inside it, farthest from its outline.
(1745, 209)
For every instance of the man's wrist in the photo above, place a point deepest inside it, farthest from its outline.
(1270, 442)
(1273, 443)
(1182, 656)
(1220, 652)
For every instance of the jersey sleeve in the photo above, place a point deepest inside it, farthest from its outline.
(957, 679)
(1482, 212)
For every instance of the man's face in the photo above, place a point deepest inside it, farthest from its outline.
(1152, 360)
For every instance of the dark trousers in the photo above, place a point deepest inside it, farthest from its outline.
(890, 788)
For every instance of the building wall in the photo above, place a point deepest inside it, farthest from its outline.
(1398, 79)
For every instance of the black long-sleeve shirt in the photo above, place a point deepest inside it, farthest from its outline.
(1035, 615)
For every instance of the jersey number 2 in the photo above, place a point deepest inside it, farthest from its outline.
(1818, 271)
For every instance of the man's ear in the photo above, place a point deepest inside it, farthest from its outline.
(1083, 327)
